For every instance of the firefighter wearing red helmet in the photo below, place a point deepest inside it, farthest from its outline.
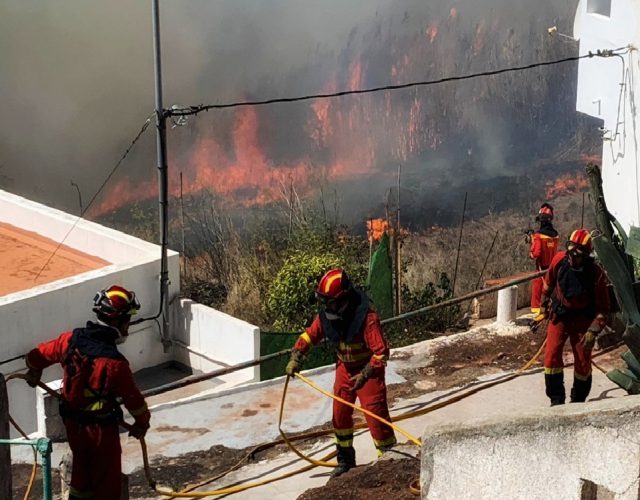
(577, 300)
(544, 246)
(95, 374)
(347, 321)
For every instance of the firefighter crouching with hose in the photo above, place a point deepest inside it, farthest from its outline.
(576, 298)
(95, 374)
(347, 321)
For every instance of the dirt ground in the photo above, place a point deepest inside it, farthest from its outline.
(20, 476)
(452, 364)
(180, 472)
(384, 479)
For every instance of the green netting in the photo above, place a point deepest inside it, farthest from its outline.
(380, 281)
(271, 342)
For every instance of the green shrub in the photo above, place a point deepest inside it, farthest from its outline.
(290, 298)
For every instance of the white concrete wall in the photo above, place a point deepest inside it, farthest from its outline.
(215, 340)
(91, 238)
(42, 312)
(548, 453)
(607, 90)
(206, 339)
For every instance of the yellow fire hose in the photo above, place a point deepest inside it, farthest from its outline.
(313, 463)
(147, 468)
(188, 493)
(414, 486)
(411, 438)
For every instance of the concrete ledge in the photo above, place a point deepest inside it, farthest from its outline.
(579, 451)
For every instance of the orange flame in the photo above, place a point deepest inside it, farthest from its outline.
(355, 75)
(591, 158)
(376, 228)
(246, 175)
(431, 31)
(321, 130)
(479, 39)
(566, 184)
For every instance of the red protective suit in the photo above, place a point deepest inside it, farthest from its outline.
(544, 246)
(578, 297)
(92, 430)
(358, 342)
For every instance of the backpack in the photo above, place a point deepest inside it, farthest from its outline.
(78, 368)
(574, 285)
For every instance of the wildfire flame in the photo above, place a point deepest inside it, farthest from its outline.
(566, 184)
(376, 228)
(335, 139)
(591, 158)
(431, 31)
(246, 174)
(479, 39)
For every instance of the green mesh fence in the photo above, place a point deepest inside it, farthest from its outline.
(380, 282)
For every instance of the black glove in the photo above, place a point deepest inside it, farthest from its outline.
(361, 378)
(32, 377)
(295, 362)
(138, 431)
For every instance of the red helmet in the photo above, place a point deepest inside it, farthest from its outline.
(581, 238)
(545, 212)
(115, 302)
(334, 285)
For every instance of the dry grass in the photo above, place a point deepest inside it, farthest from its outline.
(433, 251)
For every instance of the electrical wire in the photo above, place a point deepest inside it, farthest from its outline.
(104, 183)
(194, 110)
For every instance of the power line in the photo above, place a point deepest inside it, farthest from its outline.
(104, 183)
(194, 110)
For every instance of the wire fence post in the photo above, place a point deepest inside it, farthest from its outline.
(44, 448)
(455, 271)
(5, 449)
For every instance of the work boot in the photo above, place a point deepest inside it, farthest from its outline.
(580, 390)
(388, 445)
(346, 460)
(554, 388)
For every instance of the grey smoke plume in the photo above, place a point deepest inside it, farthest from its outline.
(77, 80)
(77, 76)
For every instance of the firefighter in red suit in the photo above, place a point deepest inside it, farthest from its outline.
(544, 246)
(577, 300)
(95, 374)
(347, 321)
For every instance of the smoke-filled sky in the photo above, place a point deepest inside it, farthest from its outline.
(76, 79)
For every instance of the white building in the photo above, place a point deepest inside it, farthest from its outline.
(607, 90)
(32, 311)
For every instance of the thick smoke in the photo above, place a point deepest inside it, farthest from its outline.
(77, 77)
(77, 82)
